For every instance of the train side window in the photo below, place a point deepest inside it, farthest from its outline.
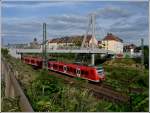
(51, 65)
(86, 72)
(68, 68)
(60, 67)
(71, 69)
(55, 66)
(74, 70)
(82, 72)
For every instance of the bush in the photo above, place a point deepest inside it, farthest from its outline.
(10, 104)
(5, 52)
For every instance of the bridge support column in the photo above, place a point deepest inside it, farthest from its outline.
(93, 59)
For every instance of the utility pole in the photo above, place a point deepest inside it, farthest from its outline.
(107, 48)
(93, 37)
(142, 53)
(44, 47)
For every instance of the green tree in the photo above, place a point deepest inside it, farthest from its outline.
(5, 52)
(146, 56)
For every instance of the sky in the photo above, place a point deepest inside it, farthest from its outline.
(22, 20)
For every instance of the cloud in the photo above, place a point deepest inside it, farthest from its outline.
(139, 24)
(111, 12)
(25, 4)
(69, 18)
(35, 4)
(131, 29)
(122, 21)
(59, 25)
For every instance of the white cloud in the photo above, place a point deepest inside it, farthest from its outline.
(36, 4)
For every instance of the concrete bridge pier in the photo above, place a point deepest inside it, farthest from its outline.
(93, 59)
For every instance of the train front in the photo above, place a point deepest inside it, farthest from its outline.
(100, 72)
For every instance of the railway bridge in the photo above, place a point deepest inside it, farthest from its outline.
(90, 51)
(93, 49)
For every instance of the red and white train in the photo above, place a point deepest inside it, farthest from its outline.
(91, 73)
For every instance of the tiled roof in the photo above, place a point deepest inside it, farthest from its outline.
(70, 39)
(110, 36)
(99, 42)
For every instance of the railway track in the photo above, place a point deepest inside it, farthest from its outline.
(99, 90)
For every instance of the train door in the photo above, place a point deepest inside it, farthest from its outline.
(78, 72)
(51, 66)
(65, 69)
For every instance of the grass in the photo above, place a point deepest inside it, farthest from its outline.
(10, 104)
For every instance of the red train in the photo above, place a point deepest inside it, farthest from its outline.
(95, 74)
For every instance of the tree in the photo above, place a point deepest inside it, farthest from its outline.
(5, 52)
(35, 40)
(146, 56)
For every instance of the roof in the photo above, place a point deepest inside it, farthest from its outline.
(70, 39)
(110, 36)
(99, 42)
(130, 46)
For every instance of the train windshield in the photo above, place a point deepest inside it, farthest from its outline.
(100, 70)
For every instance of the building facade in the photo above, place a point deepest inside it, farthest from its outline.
(70, 42)
(113, 43)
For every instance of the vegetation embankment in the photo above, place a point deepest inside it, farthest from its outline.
(8, 104)
(128, 76)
